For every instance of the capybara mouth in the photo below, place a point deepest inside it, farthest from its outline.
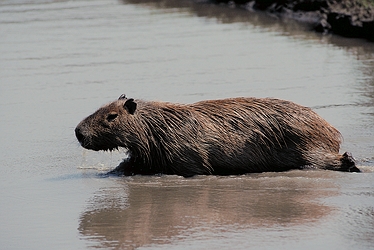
(87, 143)
(111, 149)
(99, 148)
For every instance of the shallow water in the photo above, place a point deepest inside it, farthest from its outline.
(61, 60)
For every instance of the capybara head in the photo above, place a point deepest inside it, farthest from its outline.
(101, 130)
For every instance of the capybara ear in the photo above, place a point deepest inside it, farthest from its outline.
(130, 105)
(123, 96)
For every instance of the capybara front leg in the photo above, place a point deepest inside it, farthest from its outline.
(124, 168)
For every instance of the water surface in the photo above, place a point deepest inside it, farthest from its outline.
(61, 60)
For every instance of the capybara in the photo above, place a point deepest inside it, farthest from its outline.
(219, 137)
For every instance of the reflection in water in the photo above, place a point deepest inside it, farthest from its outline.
(160, 210)
(363, 216)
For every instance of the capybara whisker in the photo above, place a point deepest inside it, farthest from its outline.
(221, 137)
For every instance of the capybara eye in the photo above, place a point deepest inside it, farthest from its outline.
(111, 117)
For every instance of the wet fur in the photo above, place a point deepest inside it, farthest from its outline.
(229, 136)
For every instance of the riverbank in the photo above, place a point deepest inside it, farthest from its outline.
(342, 17)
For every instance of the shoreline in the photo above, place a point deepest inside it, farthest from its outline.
(353, 19)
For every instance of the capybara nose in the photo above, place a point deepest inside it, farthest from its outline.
(79, 135)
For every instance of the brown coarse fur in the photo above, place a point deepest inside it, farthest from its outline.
(222, 137)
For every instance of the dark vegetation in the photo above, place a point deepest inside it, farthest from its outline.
(349, 18)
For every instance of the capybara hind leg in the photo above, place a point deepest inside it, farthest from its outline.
(344, 163)
(330, 161)
(348, 163)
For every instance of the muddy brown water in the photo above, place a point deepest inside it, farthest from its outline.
(61, 60)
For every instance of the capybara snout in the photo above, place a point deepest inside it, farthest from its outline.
(83, 139)
(79, 135)
(229, 136)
